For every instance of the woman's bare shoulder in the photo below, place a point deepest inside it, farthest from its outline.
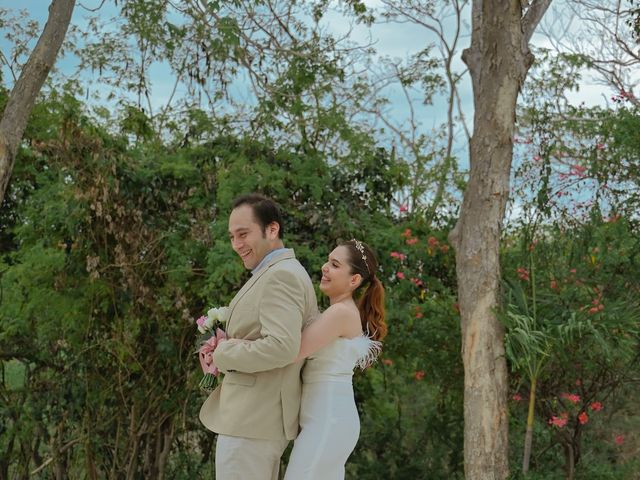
(347, 315)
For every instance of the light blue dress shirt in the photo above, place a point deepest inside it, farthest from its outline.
(266, 259)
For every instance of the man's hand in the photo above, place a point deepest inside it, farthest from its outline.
(221, 335)
(206, 356)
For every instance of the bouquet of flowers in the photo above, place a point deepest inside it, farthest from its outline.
(211, 326)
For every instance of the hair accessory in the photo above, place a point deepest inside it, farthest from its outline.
(360, 248)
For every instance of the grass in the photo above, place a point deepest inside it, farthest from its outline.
(14, 373)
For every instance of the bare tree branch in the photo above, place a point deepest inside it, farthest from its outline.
(532, 18)
(25, 91)
(102, 2)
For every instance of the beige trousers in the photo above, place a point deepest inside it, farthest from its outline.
(239, 458)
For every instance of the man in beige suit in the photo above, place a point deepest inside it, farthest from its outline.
(255, 409)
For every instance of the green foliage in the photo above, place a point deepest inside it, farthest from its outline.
(411, 408)
(573, 253)
(573, 308)
(110, 250)
(634, 20)
(113, 238)
(582, 156)
(527, 346)
(14, 373)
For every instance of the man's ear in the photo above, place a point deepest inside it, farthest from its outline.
(272, 230)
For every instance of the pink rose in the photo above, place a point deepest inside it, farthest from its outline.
(206, 356)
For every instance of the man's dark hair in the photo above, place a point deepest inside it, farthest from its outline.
(265, 210)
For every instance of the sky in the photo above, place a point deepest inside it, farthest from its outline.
(390, 40)
(393, 40)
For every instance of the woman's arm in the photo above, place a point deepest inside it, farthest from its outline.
(280, 316)
(336, 321)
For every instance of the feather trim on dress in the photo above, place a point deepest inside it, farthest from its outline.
(368, 351)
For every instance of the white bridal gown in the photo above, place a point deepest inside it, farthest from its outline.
(328, 416)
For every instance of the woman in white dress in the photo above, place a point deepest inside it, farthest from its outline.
(344, 336)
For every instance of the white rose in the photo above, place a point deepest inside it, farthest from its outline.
(213, 315)
(224, 312)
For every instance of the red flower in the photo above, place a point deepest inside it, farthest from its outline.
(400, 275)
(572, 397)
(419, 375)
(583, 418)
(553, 285)
(558, 421)
(398, 255)
(403, 208)
(412, 241)
(597, 308)
(444, 248)
(407, 233)
(416, 281)
(433, 242)
(595, 406)
(523, 274)
(619, 439)
(578, 170)
(517, 397)
(387, 361)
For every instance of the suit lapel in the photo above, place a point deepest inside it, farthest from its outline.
(288, 253)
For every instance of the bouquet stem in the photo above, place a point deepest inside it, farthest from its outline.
(208, 382)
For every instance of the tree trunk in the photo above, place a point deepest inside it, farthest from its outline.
(25, 91)
(528, 436)
(498, 60)
(569, 460)
(163, 456)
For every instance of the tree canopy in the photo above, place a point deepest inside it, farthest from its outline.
(113, 230)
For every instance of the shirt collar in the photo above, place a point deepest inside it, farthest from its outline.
(266, 259)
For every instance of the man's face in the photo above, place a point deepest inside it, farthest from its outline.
(247, 238)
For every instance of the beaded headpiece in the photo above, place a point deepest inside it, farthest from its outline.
(360, 248)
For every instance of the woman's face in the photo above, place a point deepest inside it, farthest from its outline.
(337, 277)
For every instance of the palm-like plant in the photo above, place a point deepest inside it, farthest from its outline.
(528, 343)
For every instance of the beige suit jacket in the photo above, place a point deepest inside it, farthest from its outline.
(260, 394)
